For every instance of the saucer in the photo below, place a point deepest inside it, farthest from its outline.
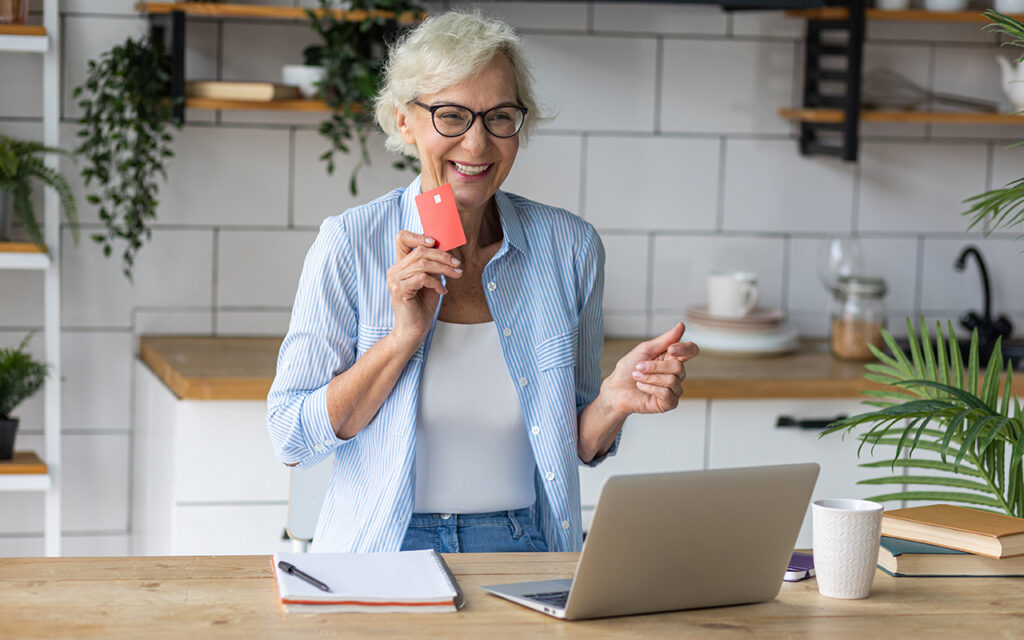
(760, 318)
(728, 341)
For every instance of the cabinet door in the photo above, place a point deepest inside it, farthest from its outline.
(743, 433)
(672, 441)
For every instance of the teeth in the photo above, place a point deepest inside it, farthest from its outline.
(471, 171)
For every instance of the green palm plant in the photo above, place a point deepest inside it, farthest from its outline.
(21, 163)
(934, 402)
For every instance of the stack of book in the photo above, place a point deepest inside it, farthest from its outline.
(945, 540)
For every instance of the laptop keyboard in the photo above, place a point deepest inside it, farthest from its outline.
(556, 598)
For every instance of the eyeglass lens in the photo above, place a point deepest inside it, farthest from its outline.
(504, 122)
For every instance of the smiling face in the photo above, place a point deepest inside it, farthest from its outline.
(475, 163)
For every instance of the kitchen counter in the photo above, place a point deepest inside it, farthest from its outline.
(242, 368)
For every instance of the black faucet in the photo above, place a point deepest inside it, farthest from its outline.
(988, 330)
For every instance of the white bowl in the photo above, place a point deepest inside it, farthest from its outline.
(304, 77)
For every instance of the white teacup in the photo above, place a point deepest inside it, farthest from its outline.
(732, 294)
(846, 536)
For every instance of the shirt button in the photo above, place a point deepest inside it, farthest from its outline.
(523, 382)
(319, 448)
(491, 286)
(549, 475)
(565, 524)
(535, 430)
(507, 332)
(445, 516)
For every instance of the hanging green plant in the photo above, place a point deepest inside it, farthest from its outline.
(353, 54)
(126, 140)
(21, 163)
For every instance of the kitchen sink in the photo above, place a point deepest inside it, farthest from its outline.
(1012, 349)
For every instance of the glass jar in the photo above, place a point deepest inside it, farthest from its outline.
(858, 316)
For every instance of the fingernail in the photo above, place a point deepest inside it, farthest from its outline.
(455, 261)
(457, 270)
(429, 241)
(642, 366)
(637, 375)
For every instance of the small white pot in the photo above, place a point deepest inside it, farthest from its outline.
(304, 77)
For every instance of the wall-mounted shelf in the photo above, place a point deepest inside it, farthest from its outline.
(23, 255)
(218, 10)
(250, 105)
(172, 14)
(23, 37)
(906, 117)
(910, 15)
(831, 93)
(24, 472)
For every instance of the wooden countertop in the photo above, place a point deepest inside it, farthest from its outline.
(235, 597)
(242, 368)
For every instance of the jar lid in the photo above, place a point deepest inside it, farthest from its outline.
(860, 286)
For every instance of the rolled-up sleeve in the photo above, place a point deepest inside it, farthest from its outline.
(320, 343)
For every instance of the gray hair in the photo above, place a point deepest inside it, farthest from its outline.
(443, 51)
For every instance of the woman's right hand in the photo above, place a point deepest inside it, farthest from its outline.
(414, 281)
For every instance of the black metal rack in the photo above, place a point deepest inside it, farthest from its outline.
(833, 58)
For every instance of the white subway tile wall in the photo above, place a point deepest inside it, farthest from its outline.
(664, 135)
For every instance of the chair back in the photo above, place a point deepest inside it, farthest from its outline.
(305, 497)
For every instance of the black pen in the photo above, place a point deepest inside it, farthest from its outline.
(302, 575)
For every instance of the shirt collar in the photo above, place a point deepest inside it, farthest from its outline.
(511, 221)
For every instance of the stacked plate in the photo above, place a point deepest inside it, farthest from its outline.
(761, 332)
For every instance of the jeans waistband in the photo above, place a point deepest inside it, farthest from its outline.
(469, 519)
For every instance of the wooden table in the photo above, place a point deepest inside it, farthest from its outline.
(203, 597)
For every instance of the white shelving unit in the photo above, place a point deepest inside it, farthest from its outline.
(47, 44)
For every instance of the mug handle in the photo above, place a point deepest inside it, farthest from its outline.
(750, 296)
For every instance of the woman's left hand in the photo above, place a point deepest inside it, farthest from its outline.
(649, 378)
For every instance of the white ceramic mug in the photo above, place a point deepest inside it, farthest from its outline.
(846, 535)
(732, 294)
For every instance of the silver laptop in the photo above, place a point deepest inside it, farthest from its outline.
(683, 540)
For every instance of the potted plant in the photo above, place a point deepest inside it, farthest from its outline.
(126, 141)
(21, 163)
(969, 423)
(352, 55)
(20, 378)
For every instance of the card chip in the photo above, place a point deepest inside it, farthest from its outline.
(437, 198)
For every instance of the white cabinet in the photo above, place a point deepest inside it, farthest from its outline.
(673, 441)
(205, 480)
(744, 433)
(47, 44)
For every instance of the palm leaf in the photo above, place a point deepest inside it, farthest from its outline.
(909, 463)
(943, 481)
(938, 496)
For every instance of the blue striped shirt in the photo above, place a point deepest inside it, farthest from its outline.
(544, 285)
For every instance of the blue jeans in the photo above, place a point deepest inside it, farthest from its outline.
(498, 531)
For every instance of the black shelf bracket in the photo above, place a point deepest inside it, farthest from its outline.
(158, 25)
(833, 59)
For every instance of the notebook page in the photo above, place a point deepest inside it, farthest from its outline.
(403, 576)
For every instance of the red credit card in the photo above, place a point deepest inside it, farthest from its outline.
(440, 217)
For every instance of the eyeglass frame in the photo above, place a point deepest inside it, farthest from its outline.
(481, 114)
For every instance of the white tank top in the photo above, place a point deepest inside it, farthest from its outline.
(472, 451)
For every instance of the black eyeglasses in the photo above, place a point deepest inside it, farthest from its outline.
(453, 120)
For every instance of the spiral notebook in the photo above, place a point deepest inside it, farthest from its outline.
(403, 581)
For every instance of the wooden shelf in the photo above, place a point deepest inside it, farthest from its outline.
(23, 462)
(23, 255)
(23, 37)
(905, 117)
(218, 10)
(918, 15)
(21, 30)
(250, 105)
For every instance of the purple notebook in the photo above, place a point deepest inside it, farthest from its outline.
(801, 566)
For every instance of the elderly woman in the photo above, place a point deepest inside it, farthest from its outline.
(457, 391)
